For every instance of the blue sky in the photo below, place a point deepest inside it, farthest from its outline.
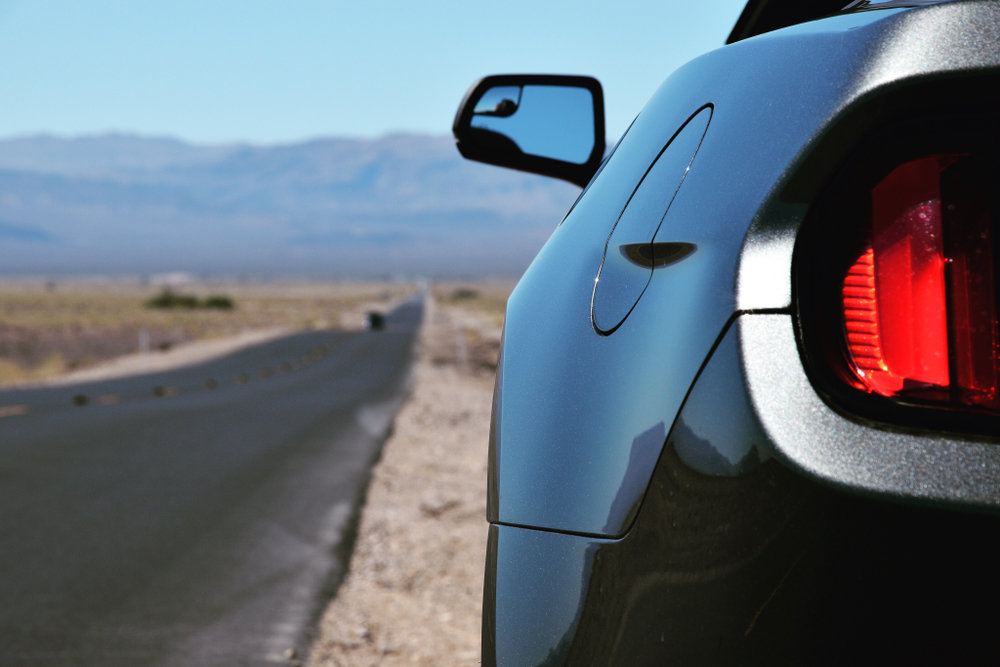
(265, 72)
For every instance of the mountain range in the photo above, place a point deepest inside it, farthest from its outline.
(399, 205)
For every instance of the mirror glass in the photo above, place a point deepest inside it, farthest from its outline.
(555, 122)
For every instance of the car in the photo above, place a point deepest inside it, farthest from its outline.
(374, 321)
(747, 406)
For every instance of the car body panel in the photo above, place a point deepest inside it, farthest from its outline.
(623, 277)
(744, 563)
(812, 438)
(582, 417)
(683, 488)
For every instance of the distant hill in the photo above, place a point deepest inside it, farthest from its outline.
(399, 205)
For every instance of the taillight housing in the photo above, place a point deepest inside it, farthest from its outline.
(896, 292)
(918, 306)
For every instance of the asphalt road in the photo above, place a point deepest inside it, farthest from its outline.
(195, 517)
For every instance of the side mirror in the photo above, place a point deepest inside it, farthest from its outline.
(544, 124)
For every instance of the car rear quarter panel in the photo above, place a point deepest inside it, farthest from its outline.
(582, 416)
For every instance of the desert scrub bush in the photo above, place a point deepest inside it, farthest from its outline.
(168, 300)
(218, 302)
(463, 294)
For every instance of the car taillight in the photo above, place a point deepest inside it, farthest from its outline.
(919, 300)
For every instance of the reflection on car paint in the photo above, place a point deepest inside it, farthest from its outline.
(717, 432)
(646, 449)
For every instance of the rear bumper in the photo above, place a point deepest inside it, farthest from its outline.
(754, 545)
(764, 568)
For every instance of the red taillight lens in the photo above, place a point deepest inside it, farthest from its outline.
(919, 305)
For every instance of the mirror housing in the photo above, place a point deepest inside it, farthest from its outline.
(559, 132)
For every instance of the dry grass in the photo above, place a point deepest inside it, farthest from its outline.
(485, 300)
(76, 306)
(12, 373)
(46, 330)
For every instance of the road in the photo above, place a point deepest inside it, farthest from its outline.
(201, 516)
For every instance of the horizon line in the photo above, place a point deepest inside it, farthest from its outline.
(129, 134)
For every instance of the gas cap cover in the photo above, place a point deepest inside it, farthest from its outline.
(629, 255)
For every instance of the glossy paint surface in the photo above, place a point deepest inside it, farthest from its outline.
(764, 568)
(735, 559)
(583, 416)
(770, 528)
(621, 279)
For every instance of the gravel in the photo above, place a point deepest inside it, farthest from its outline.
(413, 592)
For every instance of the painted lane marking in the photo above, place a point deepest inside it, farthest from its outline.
(13, 410)
(161, 391)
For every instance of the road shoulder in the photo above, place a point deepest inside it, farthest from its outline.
(413, 592)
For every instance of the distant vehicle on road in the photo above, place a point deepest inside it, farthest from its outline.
(375, 321)
(747, 407)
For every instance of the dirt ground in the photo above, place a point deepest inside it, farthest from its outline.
(413, 592)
